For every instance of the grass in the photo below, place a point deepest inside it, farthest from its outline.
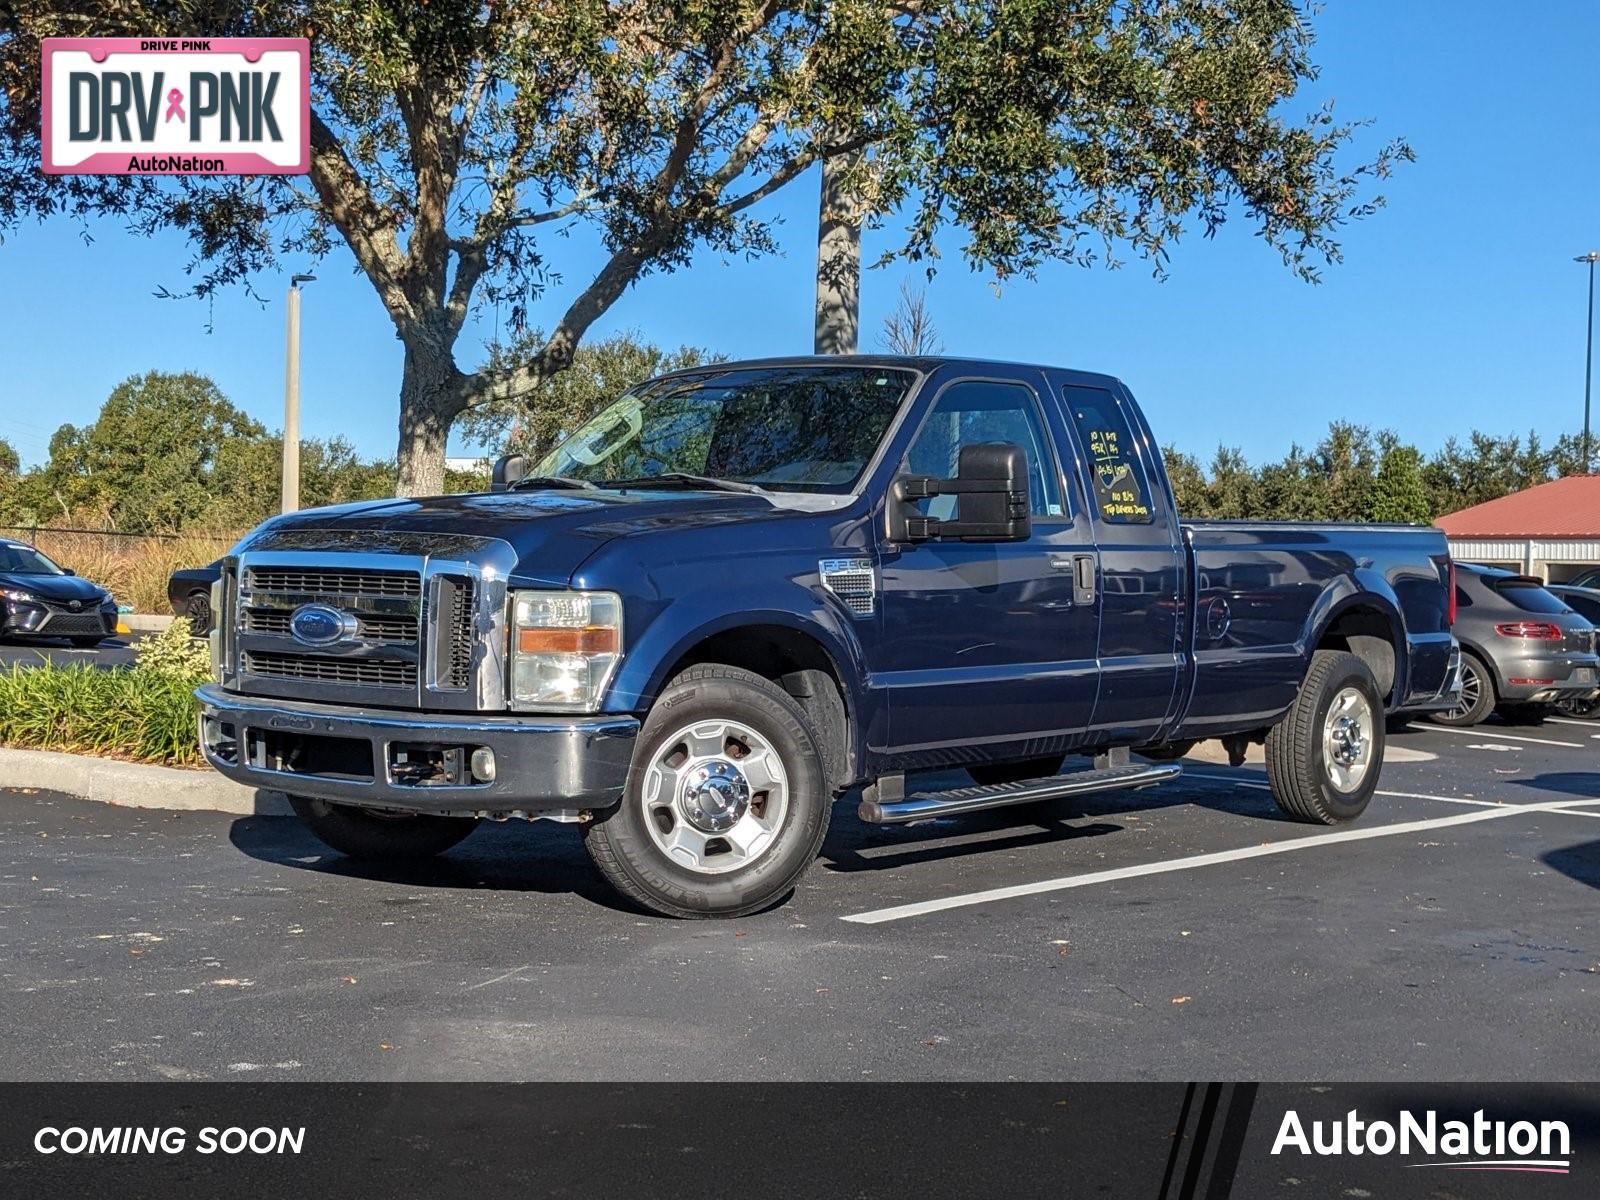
(134, 568)
(145, 713)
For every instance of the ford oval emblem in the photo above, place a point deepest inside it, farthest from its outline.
(321, 625)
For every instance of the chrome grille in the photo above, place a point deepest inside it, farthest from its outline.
(375, 627)
(330, 584)
(355, 672)
(458, 670)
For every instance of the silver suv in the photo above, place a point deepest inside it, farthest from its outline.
(1523, 651)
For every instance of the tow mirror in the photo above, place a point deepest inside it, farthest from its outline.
(991, 490)
(509, 470)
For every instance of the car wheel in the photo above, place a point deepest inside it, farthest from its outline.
(1579, 708)
(989, 774)
(375, 836)
(1323, 759)
(198, 612)
(726, 804)
(1477, 695)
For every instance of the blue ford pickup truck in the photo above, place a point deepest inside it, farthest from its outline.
(744, 590)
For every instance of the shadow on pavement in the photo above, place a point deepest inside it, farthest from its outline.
(513, 857)
(1580, 862)
(1568, 783)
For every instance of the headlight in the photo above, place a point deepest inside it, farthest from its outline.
(18, 594)
(565, 647)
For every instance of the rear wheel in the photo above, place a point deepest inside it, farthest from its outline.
(1323, 758)
(365, 833)
(1477, 695)
(727, 801)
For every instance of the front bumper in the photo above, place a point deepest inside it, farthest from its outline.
(417, 762)
(50, 619)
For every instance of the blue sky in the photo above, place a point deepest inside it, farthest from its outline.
(1458, 306)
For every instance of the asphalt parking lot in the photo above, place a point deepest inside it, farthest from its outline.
(1185, 931)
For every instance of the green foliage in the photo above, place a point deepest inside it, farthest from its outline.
(600, 372)
(10, 461)
(454, 141)
(170, 453)
(1354, 475)
(145, 713)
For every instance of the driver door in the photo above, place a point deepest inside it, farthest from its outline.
(987, 642)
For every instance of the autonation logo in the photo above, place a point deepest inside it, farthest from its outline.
(1476, 1145)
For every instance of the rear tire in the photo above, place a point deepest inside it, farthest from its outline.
(198, 613)
(380, 837)
(987, 774)
(1323, 759)
(727, 799)
(1477, 695)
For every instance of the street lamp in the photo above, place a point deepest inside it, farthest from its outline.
(291, 398)
(1588, 359)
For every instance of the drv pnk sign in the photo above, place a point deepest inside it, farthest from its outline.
(177, 106)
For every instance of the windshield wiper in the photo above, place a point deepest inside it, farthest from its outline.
(688, 480)
(551, 481)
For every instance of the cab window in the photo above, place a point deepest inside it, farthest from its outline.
(977, 411)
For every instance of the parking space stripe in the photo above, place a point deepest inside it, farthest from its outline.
(1493, 734)
(1250, 783)
(1194, 862)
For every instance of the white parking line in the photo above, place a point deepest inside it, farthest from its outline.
(902, 911)
(1250, 783)
(1570, 721)
(1494, 734)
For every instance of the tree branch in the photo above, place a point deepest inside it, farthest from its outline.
(370, 234)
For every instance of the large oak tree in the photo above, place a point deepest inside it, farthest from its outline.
(452, 139)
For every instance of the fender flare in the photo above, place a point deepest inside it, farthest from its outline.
(1362, 590)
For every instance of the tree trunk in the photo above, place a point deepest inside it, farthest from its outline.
(431, 398)
(838, 262)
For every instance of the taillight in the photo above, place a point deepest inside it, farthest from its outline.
(1450, 604)
(1542, 630)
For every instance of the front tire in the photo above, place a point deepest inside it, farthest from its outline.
(727, 800)
(1477, 695)
(198, 613)
(380, 837)
(1323, 759)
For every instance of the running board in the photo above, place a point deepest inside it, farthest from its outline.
(877, 809)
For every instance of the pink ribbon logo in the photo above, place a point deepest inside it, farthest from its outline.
(175, 106)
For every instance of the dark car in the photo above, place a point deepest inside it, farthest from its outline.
(1523, 650)
(1585, 601)
(39, 599)
(189, 593)
(1586, 579)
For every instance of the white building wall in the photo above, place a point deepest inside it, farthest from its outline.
(1553, 560)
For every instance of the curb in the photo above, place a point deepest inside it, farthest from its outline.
(146, 622)
(135, 785)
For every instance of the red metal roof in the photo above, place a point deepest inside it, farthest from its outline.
(1564, 508)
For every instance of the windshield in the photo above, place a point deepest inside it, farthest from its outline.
(787, 429)
(25, 560)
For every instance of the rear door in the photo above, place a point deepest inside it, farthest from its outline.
(986, 642)
(1140, 555)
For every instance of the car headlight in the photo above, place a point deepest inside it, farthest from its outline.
(18, 594)
(565, 646)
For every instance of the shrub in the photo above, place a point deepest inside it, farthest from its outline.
(145, 713)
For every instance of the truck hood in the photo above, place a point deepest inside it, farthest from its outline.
(553, 532)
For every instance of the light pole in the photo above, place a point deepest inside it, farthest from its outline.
(291, 398)
(1588, 357)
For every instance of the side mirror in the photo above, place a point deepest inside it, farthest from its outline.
(68, 571)
(991, 486)
(509, 469)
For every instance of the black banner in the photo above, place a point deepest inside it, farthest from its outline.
(856, 1141)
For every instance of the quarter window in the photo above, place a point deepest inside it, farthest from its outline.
(1119, 487)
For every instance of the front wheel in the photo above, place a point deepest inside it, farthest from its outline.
(375, 836)
(197, 611)
(727, 802)
(1323, 758)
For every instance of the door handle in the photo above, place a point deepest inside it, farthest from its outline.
(1084, 569)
